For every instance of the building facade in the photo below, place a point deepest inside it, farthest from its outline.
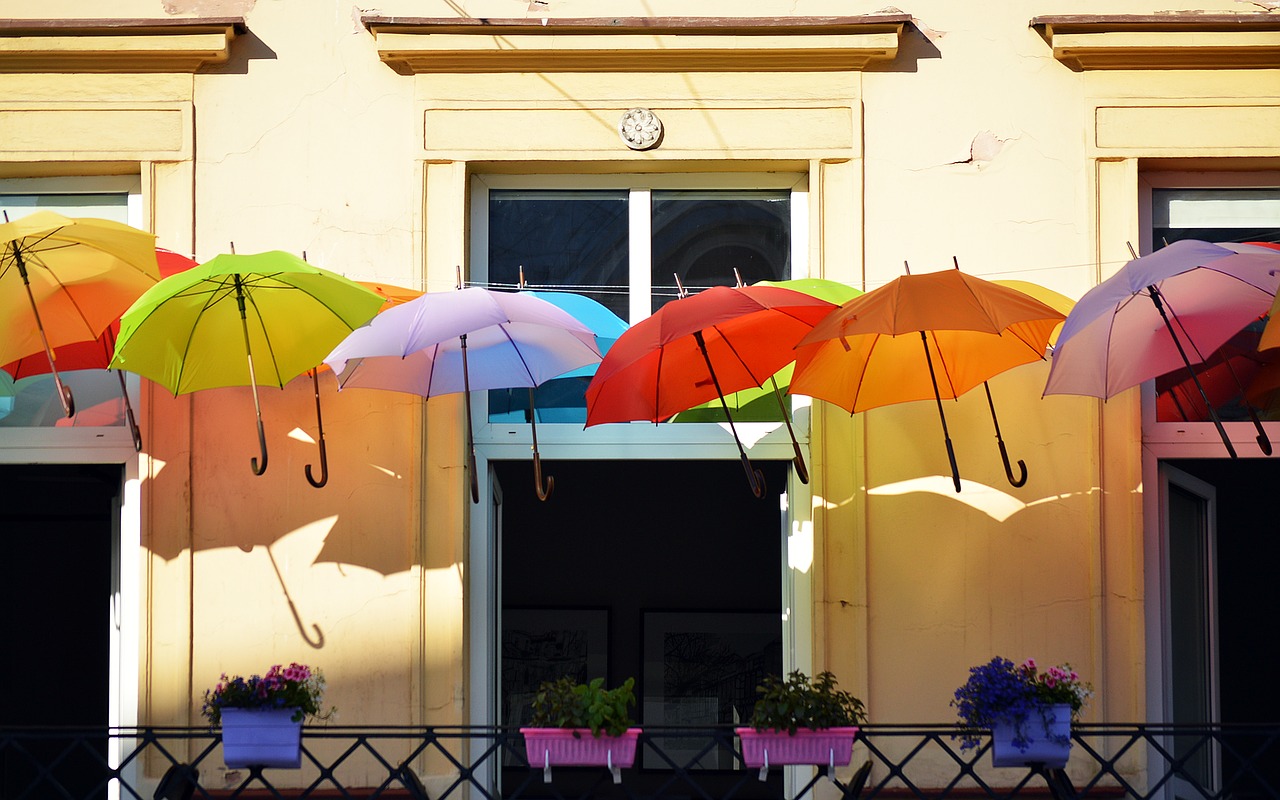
(424, 142)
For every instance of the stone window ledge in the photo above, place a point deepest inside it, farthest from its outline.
(116, 45)
(638, 44)
(1177, 40)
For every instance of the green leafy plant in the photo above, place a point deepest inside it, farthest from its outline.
(799, 702)
(565, 704)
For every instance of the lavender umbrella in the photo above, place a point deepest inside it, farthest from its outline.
(1161, 312)
(446, 342)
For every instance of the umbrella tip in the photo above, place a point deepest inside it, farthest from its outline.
(906, 266)
(458, 271)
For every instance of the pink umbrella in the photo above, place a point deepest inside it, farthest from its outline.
(1165, 311)
(446, 342)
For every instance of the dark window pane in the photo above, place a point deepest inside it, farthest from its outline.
(703, 236)
(570, 239)
(575, 240)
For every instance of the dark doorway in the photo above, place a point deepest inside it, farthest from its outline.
(1248, 609)
(669, 572)
(58, 524)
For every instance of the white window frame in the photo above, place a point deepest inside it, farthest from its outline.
(639, 440)
(768, 440)
(100, 445)
(1201, 438)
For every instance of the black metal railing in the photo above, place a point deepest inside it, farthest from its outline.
(487, 763)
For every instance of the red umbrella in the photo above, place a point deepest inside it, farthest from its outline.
(699, 348)
(96, 353)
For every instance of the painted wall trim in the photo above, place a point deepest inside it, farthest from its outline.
(660, 44)
(132, 45)
(1178, 40)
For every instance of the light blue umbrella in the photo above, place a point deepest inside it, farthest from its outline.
(561, 399)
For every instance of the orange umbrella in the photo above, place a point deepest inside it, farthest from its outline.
(64, 280)
(95, 353)
(867, 353)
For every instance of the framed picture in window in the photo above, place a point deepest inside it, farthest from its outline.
(702, 668)
(545, 644)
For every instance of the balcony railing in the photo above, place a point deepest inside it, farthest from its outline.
(484, 763)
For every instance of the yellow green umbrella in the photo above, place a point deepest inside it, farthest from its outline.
(202, 328)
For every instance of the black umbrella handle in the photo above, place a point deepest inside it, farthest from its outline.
(1213, 412)
(946, 435)
(754, 476)
(128, 410)
(1004, 454)
(802, 472)
(324, 456)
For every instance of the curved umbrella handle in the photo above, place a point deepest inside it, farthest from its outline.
(1264, 441)
(134, 431)
(324, 455)
(1008, 468)
(1004, 454)
(754, 477)
(64, 392)
(543, 493)
(262, 445)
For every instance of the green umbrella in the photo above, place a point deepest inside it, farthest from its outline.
(185, 332)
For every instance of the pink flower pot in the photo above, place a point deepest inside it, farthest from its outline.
(253, 737)
(830, 747)
(577, 747)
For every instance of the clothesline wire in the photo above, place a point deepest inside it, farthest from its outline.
(670, 290)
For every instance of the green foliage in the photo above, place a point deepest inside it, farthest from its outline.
(565, 704)
(798, 702)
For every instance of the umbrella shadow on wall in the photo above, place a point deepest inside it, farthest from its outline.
(372, 526)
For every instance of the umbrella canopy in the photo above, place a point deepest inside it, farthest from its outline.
(561, 399)
(1164, 311)
(758, 404)
(935, 335)
(64, 280)
(96, 353)
(699, 348)
(446, 342)
(184, 332)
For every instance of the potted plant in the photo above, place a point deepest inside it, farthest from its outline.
(261, 716)
(582, 724)
(801, 721)
(1028, 712)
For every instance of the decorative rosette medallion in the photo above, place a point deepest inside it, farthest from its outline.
(640, 129)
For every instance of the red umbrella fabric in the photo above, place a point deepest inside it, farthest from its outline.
(700, 348)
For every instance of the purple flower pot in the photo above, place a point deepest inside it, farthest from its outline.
(1048, 734)
(253, 737)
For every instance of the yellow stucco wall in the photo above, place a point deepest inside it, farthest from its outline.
(974, 143)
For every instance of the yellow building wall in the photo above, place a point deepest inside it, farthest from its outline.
(974, 144)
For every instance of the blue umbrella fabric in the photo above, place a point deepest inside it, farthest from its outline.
(562, 399)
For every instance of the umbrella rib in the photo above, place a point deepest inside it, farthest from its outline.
(520, 355)
(33, 259)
